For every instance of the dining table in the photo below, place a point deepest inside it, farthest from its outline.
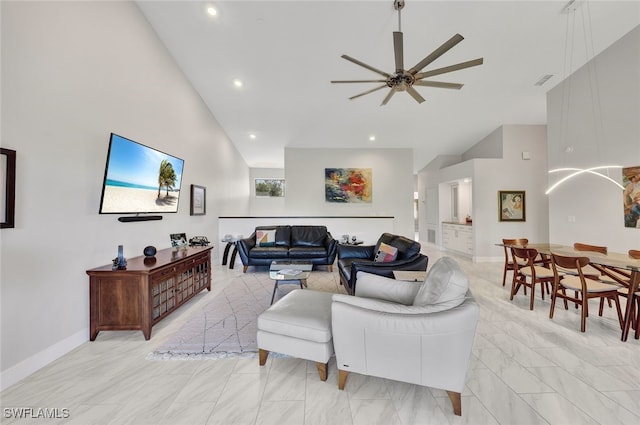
(604, 263)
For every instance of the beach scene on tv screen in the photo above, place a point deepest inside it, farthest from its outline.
(140, 179)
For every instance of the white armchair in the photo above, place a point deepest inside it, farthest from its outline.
(420, 333)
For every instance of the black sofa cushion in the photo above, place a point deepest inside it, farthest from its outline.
(314, 236)
(269, 252)
(302, 252)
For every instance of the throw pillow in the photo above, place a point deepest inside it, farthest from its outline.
(386, 253)
(444, 287)
(265, 237)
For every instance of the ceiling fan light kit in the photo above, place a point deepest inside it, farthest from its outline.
(405, 80)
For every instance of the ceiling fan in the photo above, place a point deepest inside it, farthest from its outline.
(404, 80)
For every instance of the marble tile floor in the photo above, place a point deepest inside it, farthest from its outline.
(525, 369)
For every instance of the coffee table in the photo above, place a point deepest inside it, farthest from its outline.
(289, 272)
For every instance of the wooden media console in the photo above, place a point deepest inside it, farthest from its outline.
(138, 297)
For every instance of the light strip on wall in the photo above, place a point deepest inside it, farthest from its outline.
(579, 171)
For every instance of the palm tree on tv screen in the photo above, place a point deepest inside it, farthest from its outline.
(166, 176)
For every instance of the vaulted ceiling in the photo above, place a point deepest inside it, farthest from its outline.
(287, 52)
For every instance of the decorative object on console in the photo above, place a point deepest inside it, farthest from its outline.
(8, 192)
(119, 262)
(178, 240)
(149, 251)
(511, 205)
(198, 200)
(348, 185)
(199, 241)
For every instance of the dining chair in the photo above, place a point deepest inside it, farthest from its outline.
(508, 259)
(527, 274)
(583, 287)
(589, 270)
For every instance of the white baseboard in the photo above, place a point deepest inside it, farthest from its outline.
(28, 366)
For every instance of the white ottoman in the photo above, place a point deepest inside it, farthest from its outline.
(298, 325)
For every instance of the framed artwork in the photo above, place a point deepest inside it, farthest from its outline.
(631, 196)
(178, 240)
(198, 200)
(348, 185)
(7, 188)
(269, 187)
(511, 205)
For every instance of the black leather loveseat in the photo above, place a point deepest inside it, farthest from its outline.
(308, 243)
(355, 258)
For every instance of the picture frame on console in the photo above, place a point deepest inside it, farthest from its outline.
(7, 188)
(198, 200)
(511, 205)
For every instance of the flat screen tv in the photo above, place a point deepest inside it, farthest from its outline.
(139, 179)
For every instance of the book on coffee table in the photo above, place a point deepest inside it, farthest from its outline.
(289, 272)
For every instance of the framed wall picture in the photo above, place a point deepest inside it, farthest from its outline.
(631, 196)
(7, 188)
(198, 200)
(511, 205)
(269, 187)
(348, 185)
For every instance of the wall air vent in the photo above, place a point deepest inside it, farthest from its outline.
(543, 79)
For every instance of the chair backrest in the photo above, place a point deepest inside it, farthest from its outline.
(587, 247)
(507, 250)
(571, 263)
(634, 253)
(527, 254)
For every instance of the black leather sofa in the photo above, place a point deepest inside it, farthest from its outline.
(308, 243)
(355, 258)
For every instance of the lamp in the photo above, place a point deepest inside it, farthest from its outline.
(570, 9)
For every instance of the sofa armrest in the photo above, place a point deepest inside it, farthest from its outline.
(331, 245)
(244, 246)
(387, 289)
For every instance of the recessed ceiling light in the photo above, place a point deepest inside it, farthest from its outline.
(252, 136)
(372, 138)
(237, 83)
(212, 11)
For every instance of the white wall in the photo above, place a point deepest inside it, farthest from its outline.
(393, 183)
(602, 126)
(72, 72)
(490, 175)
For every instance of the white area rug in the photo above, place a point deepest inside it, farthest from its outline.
(227, 325)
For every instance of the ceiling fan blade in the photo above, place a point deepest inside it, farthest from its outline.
(359, 81)
(438, 84)
(398, 51)
(367, 92)
(364, 65)
(388, 97)
(413, 92)
(437, 53)
(461, 65)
